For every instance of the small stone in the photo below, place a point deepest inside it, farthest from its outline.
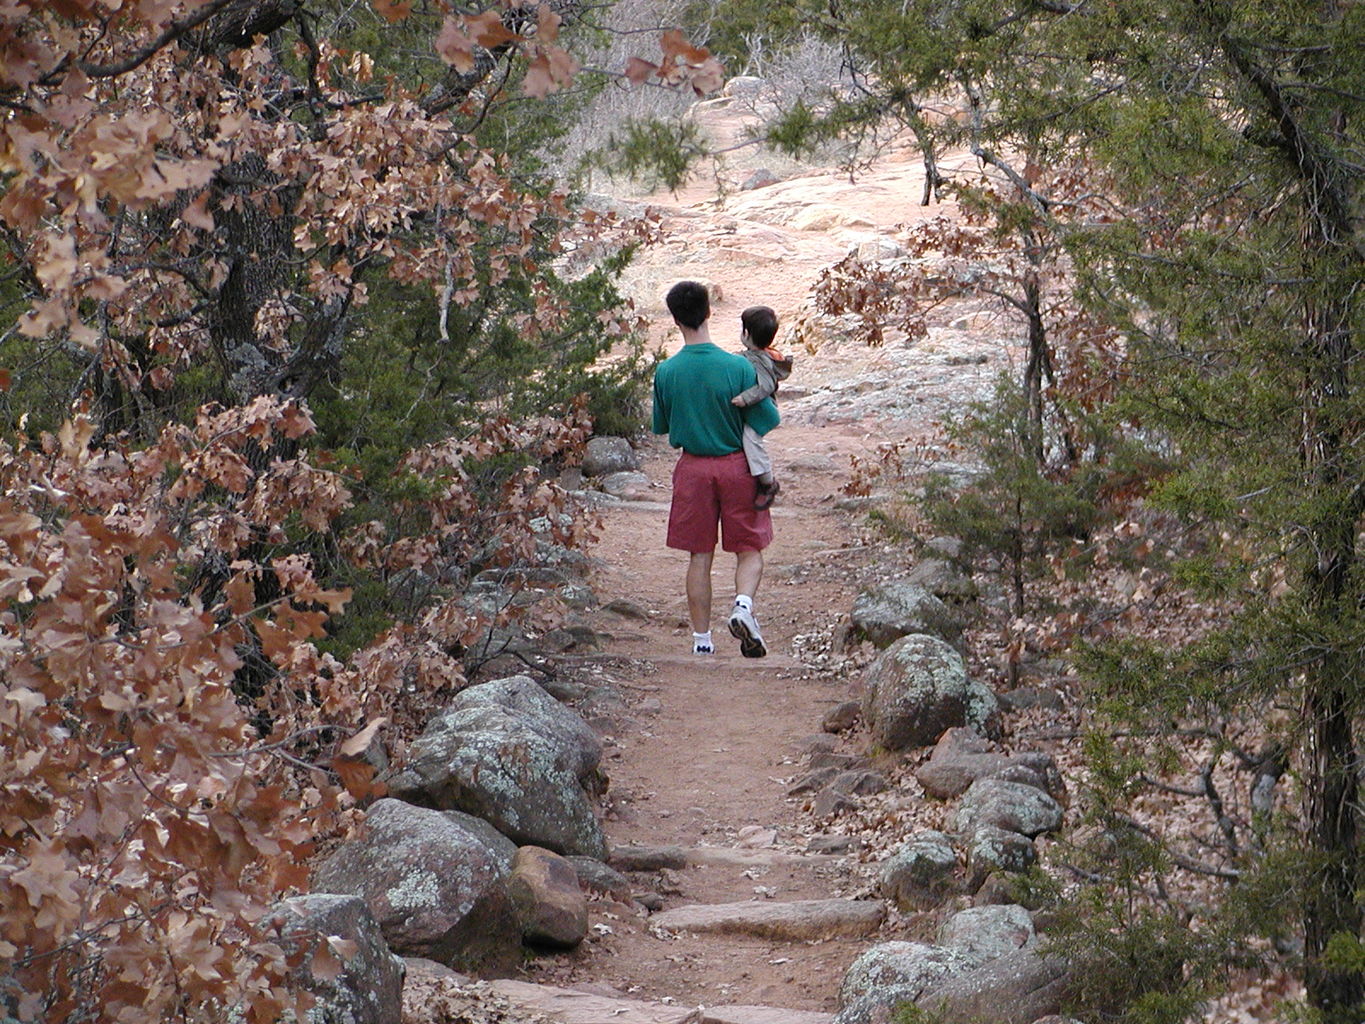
(647, 858)
(761, 178)
(812, 781)
(830, 802)
(842, 717)
(830, 844)
(860, 783)
(627, 609)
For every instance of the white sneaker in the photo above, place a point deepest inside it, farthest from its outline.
(700, 648)
(744, 627)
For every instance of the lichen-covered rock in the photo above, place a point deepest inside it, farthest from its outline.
(580, 745)
(892, 973)
(1011, 806)
(368, 988)
(511, 754)
(1017, 988)
(884, 613)
(921, 873)
(962, 756)
(547, 898)
(609, 455)
(944, 579)
(989, 931)
(991, 849)
(627, 485)
(434, 880)
(917, 688)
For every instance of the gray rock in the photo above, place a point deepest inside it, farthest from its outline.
(547, 898)
(511, 754)
(842, 717)
(844, 762)
(944, 579)
(1011, 806)
(889, 611)
(830, 802)
(991, 849)
(744, 87)
(760, 178)
(435, 883)
(595, 876)
(1025, 698)
(859, 783)
(962, 756)
(833, 844)
(892, 973)
(796, 921)
(606, 455)
(369, 986)
(1017, 988)
(630, 485)
(812, 781)
(949, 548)
(917, 688)
(990, 931)
(627, 609)
(647, 858)
(921, 873)
(522, 694)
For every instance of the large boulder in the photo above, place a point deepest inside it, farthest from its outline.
(547, 898)
(991, 849)
(892, 974)
(509, 753)
(1017, 988)
(989, 931)
(917, 688)
(888, 611)
(963, 755)
(921, 873)
(609, 455)
(365, 982)
(944, 579)
(1012, 806)
(434, 880)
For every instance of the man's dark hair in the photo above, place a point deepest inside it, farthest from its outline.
(760, 323)
(689, 303)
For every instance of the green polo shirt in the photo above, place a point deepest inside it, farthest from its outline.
(692, 392)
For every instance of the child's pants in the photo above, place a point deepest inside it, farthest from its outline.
(756, 453)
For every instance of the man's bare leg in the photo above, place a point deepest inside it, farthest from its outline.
(748, 572)
(743, 624)
(699, 589)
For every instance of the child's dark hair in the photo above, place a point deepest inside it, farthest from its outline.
(760, 323)
(689, 303)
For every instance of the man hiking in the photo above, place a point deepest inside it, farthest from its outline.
(712, 486)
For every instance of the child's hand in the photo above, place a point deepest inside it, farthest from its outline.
(736, 401)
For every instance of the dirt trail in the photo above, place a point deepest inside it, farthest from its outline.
(714, 743)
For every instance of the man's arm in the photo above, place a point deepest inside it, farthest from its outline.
(762, 417)
(660, 425)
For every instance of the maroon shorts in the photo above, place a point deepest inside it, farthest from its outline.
(716, 489)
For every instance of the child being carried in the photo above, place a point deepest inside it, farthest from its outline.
(758, 327)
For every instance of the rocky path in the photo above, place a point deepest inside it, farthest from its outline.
(756, 916)
(704, 768)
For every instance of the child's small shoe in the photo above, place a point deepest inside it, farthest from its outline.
(767, 494)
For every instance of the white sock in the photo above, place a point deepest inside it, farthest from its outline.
(744, 601)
